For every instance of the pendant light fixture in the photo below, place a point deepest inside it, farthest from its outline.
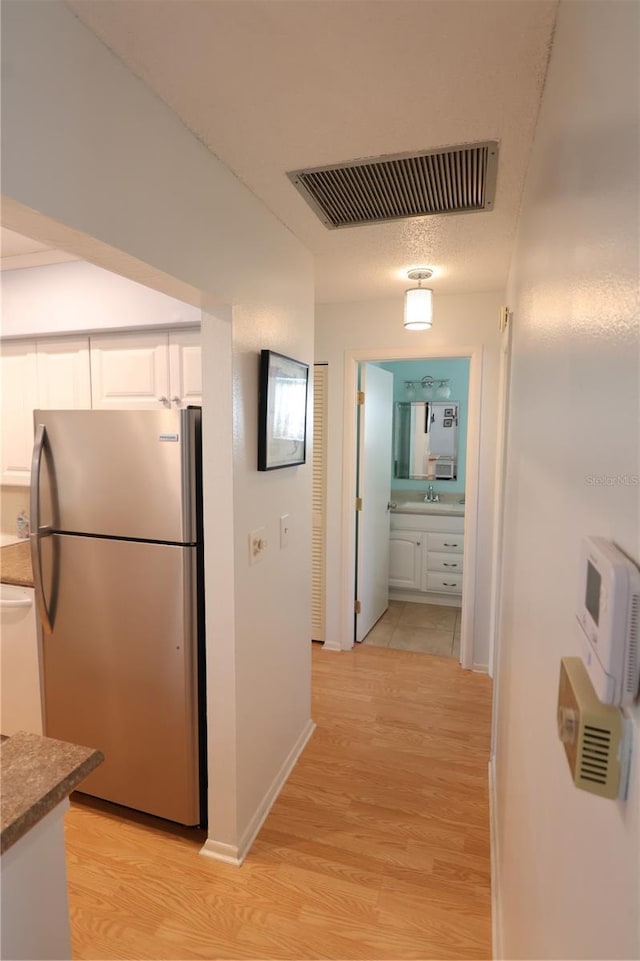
(418, 303)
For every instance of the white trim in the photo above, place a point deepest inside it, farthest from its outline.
(221, 852)
(331, 646)
(235, 854)
(498, 501)
(351, 360)
(427, 597)
(480, 668)
(37, 258)
(496, 918)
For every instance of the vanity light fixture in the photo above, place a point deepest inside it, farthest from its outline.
(418, 301)
(427, 385)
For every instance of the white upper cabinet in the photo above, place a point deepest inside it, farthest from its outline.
(154, 369)
(19, 398)
(130, 371)
(147, 370)
(64, 379)
(185, 368)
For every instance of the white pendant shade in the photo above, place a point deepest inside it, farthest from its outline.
(418, 308)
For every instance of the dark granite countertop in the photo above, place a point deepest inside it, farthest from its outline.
(15, 564)
(36, 774)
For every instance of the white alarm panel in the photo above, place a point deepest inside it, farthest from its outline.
(608, 614)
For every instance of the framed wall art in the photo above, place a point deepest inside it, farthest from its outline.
(282, 411)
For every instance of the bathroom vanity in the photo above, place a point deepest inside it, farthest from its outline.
(426, 550)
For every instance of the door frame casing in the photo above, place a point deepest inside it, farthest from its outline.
(349, 457)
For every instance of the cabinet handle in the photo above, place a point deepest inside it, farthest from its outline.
(164, 400)
(450, 545)
(6, 604)
(444, 584)
(176, 400)
(444, 564)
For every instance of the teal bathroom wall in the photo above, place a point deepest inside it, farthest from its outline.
(456, 370)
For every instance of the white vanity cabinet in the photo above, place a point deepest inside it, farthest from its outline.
(405, 559)
(426, 556)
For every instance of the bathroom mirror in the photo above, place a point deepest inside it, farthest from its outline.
(425, 437)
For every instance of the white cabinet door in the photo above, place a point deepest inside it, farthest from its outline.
(64, 377)
(21, 704)
(19, 398)
(130, 371)
(405, 559)
(185, 368)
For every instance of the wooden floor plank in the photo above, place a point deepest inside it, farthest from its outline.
(377, 848)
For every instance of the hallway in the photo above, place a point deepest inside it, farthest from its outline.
(377, 848)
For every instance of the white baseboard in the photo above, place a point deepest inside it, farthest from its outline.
(480, 668)
(422, 597)
(235, 854)
(331, 646)
(221, 852)
(496, 917)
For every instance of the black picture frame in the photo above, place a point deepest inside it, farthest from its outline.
(282, 411)
(447, 422)
(449, 412)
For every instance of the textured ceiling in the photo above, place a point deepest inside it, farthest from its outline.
(273, 86)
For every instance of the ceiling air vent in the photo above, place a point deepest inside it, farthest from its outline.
(449, 180)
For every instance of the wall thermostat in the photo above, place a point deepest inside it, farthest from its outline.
(596, 736)
(608, 614)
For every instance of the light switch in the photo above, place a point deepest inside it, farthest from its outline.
(284, 530)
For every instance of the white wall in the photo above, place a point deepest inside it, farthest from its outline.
(72, 297)
(96, 155)
(465, 320)
(568, 862)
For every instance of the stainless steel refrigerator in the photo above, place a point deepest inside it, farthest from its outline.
(116, 547)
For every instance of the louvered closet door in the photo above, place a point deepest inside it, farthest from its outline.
(319, 503)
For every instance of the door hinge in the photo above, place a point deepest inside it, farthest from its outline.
(357, 607)
(360, 397)
(358, 503)
(503, 320)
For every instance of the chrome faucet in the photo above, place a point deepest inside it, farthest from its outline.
(431, 497)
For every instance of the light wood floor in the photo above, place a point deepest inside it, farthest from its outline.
(377, 848)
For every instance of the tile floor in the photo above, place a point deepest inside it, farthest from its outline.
(431, 628)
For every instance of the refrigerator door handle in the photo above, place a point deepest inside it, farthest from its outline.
(37, 531)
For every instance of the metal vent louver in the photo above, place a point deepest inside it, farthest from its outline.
(449, 180)
(632, 660)
(594, 760)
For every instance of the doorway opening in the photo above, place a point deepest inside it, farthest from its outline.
(412, 445)
(353, 359)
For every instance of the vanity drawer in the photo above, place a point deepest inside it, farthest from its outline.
(445, 543)
(444, 583)
(447, 563)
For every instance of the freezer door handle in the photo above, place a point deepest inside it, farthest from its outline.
(38, 532)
